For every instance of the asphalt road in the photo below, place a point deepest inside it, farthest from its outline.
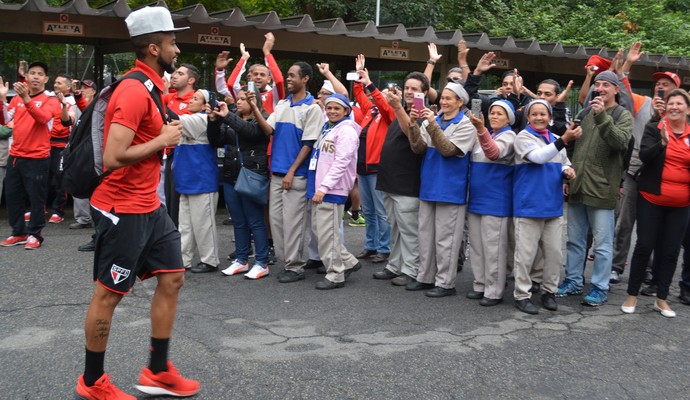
(369, 340)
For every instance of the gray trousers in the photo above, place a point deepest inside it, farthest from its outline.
(326, 220)
(288, 215)
(313, 246)
(531, 235)
(403, 217)
(197, 228)
(440, 233)
(489, 253)
(82, 211)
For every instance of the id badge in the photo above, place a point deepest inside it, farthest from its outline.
(312, 164)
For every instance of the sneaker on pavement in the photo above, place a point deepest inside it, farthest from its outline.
(235, 268)
(103, 389)
(55, 219)
(357, 222)
(78, 225)
(167, 383)
(233, 256)
(595, 297)
(615, 277)
(90, 246)
(258, 271)
(33, 243)
(649, 291)
(568, 288)
(272, 259)
(289, 276)
(14, 240)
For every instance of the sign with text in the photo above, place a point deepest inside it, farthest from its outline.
(213, 40)
(501, 63)
(63, 29)
(394, 53)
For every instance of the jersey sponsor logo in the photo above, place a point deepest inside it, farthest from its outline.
(119, 274)
(183, 106)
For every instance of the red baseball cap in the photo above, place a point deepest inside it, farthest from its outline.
(668, 75)
(601, 63)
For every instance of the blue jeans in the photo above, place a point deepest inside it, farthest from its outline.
(581, 219)
(248, 218)
(378, 231)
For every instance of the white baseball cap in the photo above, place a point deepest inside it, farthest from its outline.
(150, 20)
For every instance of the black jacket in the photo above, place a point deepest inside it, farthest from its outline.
(653, 156)
(252, 141)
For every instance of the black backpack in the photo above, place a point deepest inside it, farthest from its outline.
(81, 163)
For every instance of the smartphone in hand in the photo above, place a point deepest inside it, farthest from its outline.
(595, 93)
(477, 107)
(212, 101)
(251, 87)
(418, 101)
(660, 93)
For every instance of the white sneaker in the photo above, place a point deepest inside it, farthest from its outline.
(258, 271)
(235, 268)
(615, 277)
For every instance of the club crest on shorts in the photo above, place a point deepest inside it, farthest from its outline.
(119, 274)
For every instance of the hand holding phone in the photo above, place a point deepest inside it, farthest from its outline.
(660, 93)
(595, 93)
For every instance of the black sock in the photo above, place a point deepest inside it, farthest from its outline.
(159, 355)
(93, 368)
(270, 242)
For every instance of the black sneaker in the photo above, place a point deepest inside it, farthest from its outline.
(313, 264)
(90, 246)
(353, 269)
(287, 276)
(526, 306)
(202, 268)
(548, 300)
(272, 259)
(649, 291)
(233, 256)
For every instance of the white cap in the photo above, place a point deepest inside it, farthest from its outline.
(327, 85)
(150, 20)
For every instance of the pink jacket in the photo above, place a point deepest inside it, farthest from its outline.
(337, 166)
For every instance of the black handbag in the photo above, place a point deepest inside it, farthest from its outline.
(249, 183)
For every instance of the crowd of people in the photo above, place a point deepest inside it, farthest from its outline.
(513, 173)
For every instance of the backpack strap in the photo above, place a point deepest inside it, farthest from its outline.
(155, 94)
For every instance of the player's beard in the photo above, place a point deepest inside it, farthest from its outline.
(168, 67)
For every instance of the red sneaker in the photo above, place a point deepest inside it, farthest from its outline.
(14, 240)
(169, 383)
(55, 219)
(33, 243)
(103, 389)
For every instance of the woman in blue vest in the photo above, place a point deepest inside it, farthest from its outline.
(540, 167)
(491, 202)
(445, 140)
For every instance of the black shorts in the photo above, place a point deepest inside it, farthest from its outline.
(137, 245)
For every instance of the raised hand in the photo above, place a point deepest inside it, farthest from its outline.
(268, 43)
(359, 62)
(485, 63)
(433, 52)
(634, 54)
(244, 52)
(563, 96)
(364, 77)
(222, 60)
(324, 68)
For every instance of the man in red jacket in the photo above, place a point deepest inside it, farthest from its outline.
(32, 110)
